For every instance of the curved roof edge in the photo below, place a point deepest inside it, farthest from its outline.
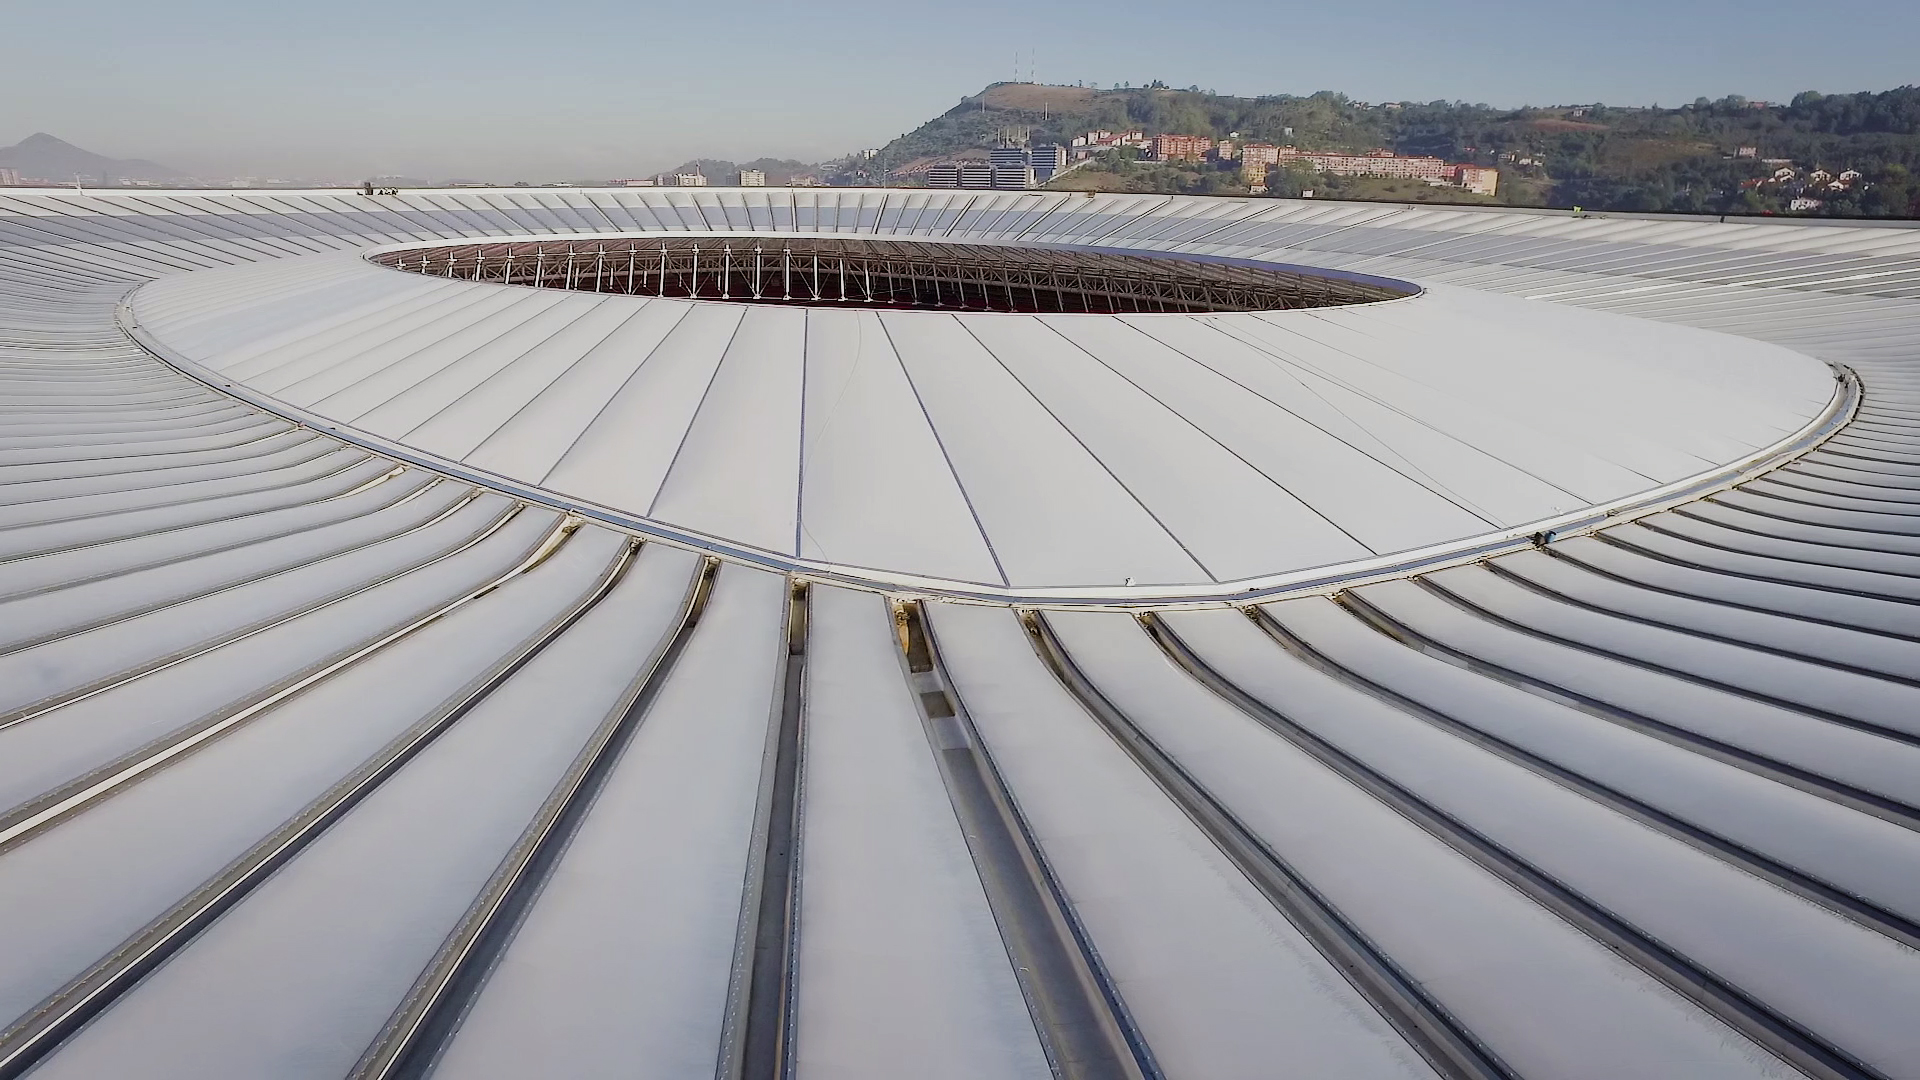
(1333, 577)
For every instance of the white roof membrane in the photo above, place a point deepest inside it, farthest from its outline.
(405, 674)
(1084, 447)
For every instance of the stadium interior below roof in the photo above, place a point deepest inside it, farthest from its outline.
(1160, 428)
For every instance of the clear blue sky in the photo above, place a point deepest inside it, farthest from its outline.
(591, 88)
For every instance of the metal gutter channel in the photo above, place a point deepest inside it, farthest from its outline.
(121, 678)
(756, 1035)
(1082, 1022)
(1451, 1049)
(1778, 1034)
(94, 991)
(425, 1023)
(1837, 900)
(1781, 772)
(26, 821)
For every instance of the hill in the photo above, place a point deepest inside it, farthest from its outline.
(41, 156)
(780, 171)
(1703, 157)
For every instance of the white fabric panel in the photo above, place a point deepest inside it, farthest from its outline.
(386, 340)
(1364, 495)
(1460, 412)
(326, 324)
(353, 291)
(435, 832)
(456, 430)
(527, 445)
(876, 489)
(57, 747)
(315, 378)
(625, 958)
(621, 458)
(1219, 982)
(1054, 514)
(420, 387)
(1549, 999)
(737, 475)
(900, 961)
(1235, 520)
(1472, 477)
(456, 360)
(1607, 375)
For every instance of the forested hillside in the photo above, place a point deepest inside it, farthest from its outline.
(1685, 159)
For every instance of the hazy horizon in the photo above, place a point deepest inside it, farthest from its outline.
(493, 92)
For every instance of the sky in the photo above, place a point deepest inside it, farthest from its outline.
(343, 89)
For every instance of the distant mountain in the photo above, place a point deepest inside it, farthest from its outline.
(43, 157)
(779, 170)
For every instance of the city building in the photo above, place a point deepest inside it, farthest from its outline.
(976, 174)
(1013, 178)
(1048, 160)
(1381, 163)
(1012, 167)
(1179, 147)
(1262, 154)
(944, 175)
(1101, 139)
(752, 178)
(1479, 179)
(689, 179)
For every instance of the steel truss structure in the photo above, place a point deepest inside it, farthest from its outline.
(892, 274)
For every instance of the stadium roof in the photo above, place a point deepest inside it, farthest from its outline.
(1513, 671)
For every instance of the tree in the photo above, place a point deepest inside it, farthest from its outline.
(1289, 182)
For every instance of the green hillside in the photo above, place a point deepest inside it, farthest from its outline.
(1599, 157)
